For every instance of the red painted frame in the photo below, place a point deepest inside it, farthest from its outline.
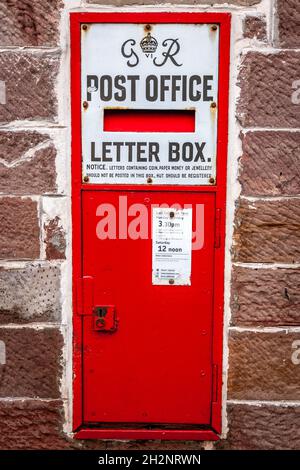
(76, 19)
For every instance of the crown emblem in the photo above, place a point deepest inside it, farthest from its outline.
(148, 44)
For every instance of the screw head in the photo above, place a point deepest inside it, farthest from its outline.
(213, 105)
(171, 281)
(148, 27)
(172, 215)
(85, 104)
(212, 180)
(149, 180)
(84, 27)
(214, 27)
(86, 179)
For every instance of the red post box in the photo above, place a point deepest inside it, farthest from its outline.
(149, 150)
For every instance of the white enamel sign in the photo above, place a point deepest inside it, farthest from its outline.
(171, 246)
(164, 67)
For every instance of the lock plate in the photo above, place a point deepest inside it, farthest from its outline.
(104, 318)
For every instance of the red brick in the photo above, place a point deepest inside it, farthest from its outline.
(288, 13)
(30, 294)
(30, 86)
(262, 427)
(29, 22)
(267, 231)
(19, 235)
(30, 154)
(270, 164)
(261, 367)
(32, 366)
(255, 27)
(268, 297)
(266, 82)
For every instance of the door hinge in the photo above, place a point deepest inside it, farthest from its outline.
(215, 383)
(85, 295)
(218, 228)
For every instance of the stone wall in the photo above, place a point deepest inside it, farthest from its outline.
(261, 407)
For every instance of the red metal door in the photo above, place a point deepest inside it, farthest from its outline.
(157, 366)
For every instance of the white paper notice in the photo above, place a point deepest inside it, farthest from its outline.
(171, 246)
